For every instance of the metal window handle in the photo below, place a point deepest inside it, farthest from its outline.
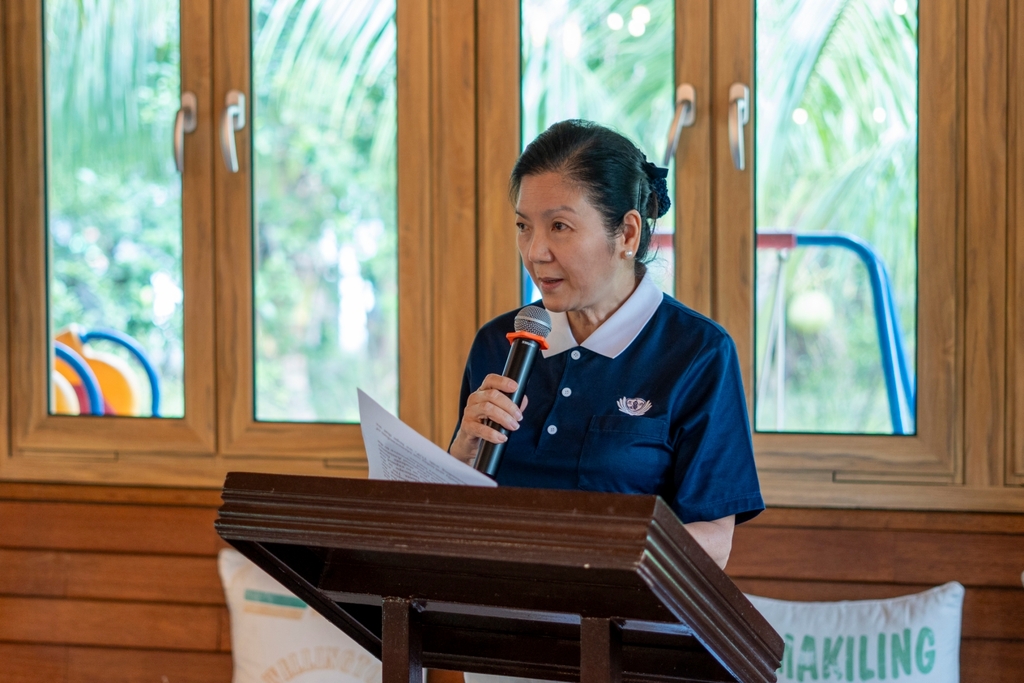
(739, 116)
(184, 122)
(686, 114)
(233, 119)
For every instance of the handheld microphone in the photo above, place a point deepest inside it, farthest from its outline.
(533, 324)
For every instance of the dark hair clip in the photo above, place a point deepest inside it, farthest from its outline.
(655, 172)
(659, 186)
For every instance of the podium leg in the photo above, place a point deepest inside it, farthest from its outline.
(600, 651)
(402, 642)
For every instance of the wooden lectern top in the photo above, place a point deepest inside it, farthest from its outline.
(504, 580)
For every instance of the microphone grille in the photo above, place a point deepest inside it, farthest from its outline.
(534, 320)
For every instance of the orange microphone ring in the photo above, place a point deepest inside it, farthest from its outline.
(512, 336)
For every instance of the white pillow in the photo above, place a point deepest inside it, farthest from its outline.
(913, 638)
(276, 638)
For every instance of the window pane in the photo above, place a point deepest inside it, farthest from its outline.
(608, 61)
(324, 169)
(836, 210)
(114, 206)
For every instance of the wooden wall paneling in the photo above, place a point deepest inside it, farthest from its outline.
(172, 469)
(161, 530)
(882, 556)
(693, 194)
(225, 631)
(798, 562)
(989, 613)
(820, 489)
(121, 585)
(139, 495)
(61, 664)
(1015, 269)
(112, 624)
(110, 665)
(87, 575)
(804, 469)
(826, 555)
(110, 584)
(986, 186)
(32, 428)
(992, 661)
(896, 520)
(977, 549)
(453, 144)
(33, 663)
(58, 556)
(499, 279)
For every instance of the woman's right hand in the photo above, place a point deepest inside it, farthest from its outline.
(487, 403)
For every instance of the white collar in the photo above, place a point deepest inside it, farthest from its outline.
(616, 333)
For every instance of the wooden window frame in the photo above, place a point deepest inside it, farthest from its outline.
(436, 253)
(45, 445)
(958, 457)
(434, 189)
(930, 454)
(457, 147)
(499, 134)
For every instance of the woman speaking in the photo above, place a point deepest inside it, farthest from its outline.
(636, 393)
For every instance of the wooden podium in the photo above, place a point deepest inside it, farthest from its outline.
(559, 585)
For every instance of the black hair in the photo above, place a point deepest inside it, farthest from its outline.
(608, 167)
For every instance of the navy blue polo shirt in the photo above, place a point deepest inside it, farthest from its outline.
(652, 402)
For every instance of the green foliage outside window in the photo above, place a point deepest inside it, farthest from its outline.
(113, 194)
(325, 131)
(836, 113)
(836, 108)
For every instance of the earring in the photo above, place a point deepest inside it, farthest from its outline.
(629, 254)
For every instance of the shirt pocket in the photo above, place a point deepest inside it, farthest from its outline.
(625, 454)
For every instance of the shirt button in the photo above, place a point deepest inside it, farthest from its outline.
(567, 392)
(575, 355)
(552, 429)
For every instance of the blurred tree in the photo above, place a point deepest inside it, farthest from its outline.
(325, 131)
(113, 194)
(836, 108)
(608, 61)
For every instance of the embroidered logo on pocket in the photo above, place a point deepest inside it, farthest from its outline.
(633, 406)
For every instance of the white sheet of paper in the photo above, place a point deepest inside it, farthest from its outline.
(398, 452)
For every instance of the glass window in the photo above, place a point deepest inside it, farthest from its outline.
(836, 216)
(324, 173)
(612, 62)
(113, 207)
